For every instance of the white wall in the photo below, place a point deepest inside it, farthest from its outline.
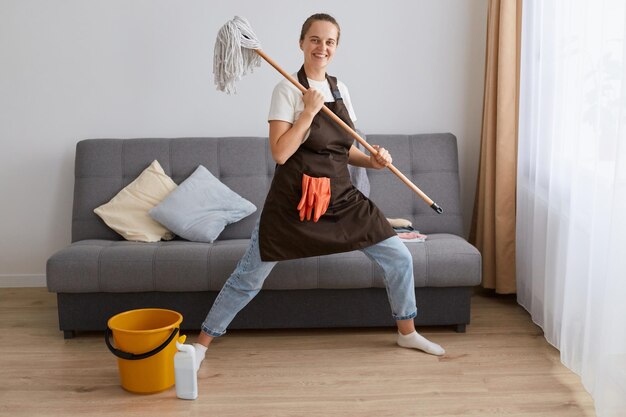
(77, 69)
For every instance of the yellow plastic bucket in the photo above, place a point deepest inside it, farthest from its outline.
(145, 345)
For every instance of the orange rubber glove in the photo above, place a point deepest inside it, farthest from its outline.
(302, 205)
(319, 197)
(315, 197)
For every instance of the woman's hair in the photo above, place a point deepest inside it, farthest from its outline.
(319, 16)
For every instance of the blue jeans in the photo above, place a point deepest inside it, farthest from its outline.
(247, 279)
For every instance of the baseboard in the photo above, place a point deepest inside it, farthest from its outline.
(22, 280)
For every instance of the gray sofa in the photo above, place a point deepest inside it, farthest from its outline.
(99, 274)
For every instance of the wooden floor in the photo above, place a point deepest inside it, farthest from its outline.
(502, 366)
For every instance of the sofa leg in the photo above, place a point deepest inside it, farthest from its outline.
(68, 334)
(460, 328)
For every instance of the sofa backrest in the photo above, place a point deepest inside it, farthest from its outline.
(104, 166)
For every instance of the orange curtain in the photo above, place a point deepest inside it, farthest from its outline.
(493, 220)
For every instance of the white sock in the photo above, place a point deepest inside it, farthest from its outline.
(416, 341)
(200, 352)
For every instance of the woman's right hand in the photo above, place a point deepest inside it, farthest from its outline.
(313, 101)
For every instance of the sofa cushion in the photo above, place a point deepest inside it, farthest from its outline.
(444, 260)
(200, 208)
(127, 212)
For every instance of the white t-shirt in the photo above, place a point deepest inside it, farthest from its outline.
(287, 103)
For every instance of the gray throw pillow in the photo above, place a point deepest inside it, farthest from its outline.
(201, 207)
(358, 175)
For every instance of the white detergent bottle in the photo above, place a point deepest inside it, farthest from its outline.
(185, 370)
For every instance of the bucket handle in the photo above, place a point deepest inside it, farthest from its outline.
(135, 356)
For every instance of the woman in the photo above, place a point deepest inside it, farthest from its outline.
(312, 208)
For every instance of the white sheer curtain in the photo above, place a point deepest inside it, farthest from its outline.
(571, 210)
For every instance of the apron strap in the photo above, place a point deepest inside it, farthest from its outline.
(334, 87)
(303, 79)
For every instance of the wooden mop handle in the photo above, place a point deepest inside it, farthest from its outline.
(355, 135)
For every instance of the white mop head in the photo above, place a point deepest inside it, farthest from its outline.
(234, 53)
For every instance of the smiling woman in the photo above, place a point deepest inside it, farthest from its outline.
(312, 154)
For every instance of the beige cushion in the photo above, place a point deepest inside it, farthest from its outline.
(127, 212)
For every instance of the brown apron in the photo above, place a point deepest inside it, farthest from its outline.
(351, 222)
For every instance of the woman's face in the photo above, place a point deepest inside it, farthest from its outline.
(319, 44)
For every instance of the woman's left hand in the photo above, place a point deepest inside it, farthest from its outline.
(382, 159)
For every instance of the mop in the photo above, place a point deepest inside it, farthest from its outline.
(238, 50)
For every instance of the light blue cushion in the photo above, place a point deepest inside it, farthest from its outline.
(201, 207)
(358, 175)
